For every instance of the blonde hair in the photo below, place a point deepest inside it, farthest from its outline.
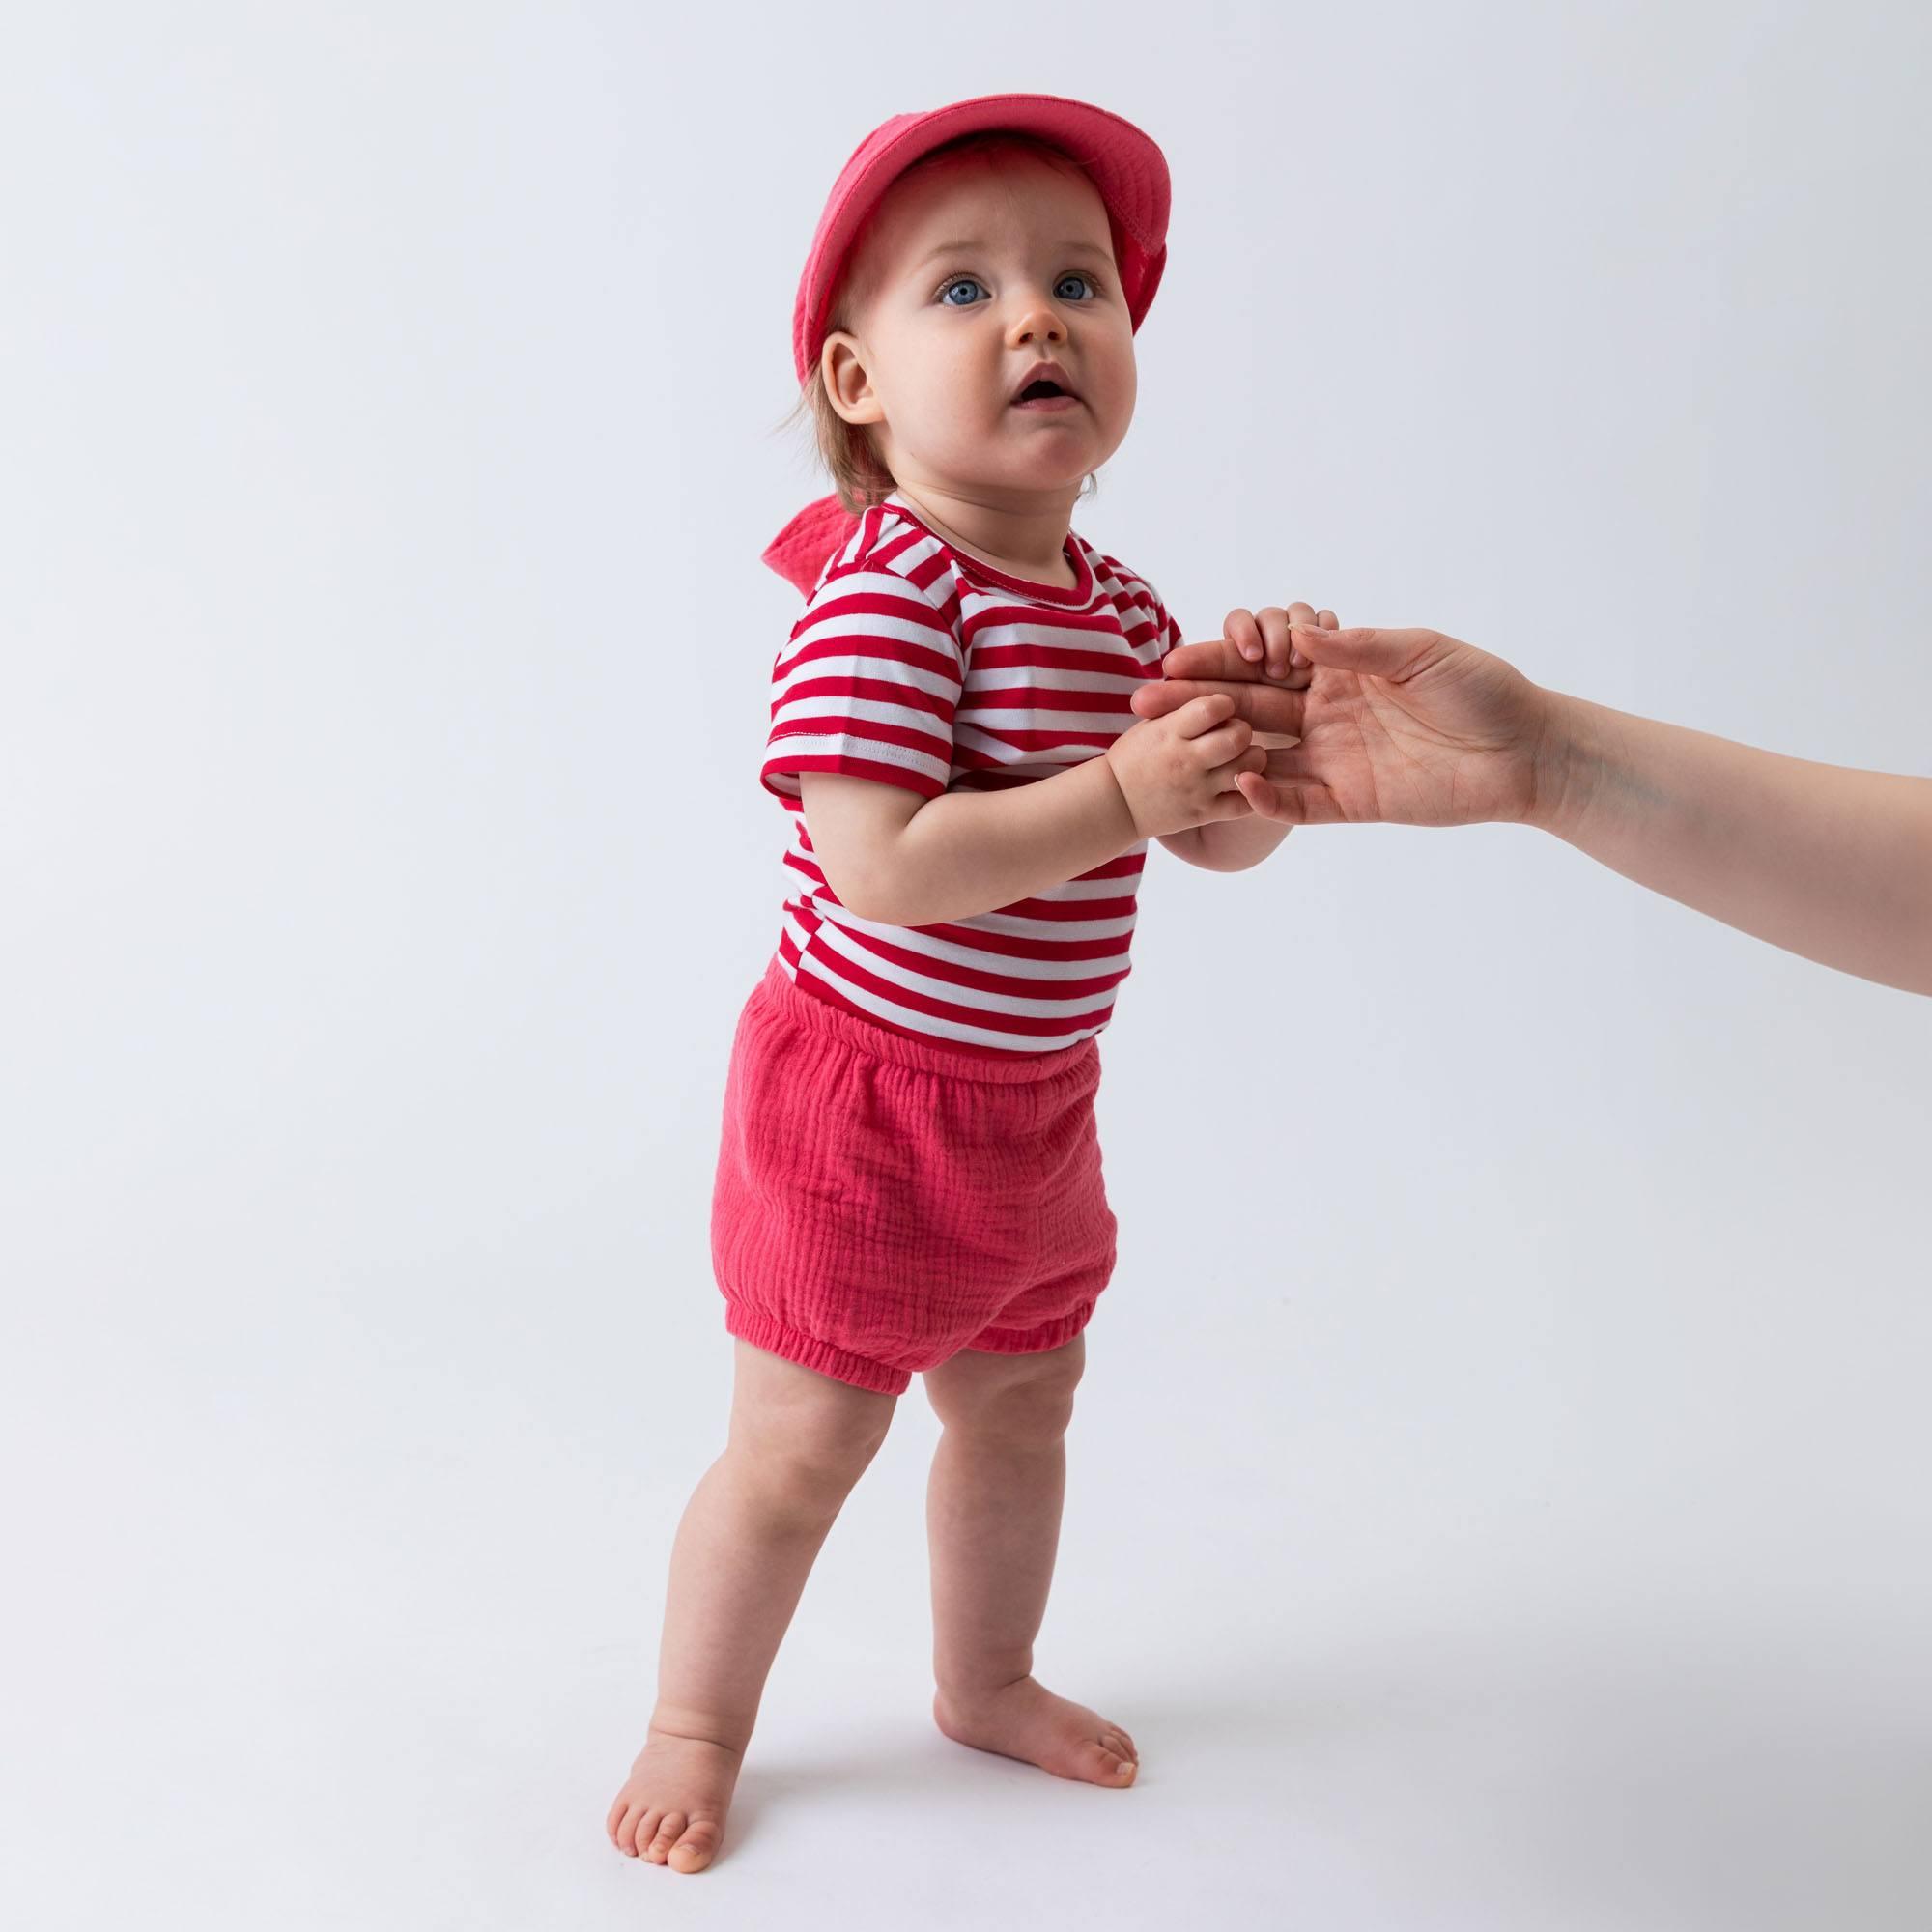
(850, 457)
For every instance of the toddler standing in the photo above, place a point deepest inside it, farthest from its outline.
(909, 1179)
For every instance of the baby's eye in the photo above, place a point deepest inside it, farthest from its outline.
(959, 282)
(1064, 279)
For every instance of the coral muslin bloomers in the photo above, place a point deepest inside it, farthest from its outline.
(883, 1201)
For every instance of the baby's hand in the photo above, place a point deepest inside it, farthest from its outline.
(1181, 771)
(1261, 638)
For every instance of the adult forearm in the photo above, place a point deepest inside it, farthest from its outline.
(1830, 863)
(971, 852)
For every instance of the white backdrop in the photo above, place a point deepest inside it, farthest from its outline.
(1497, 1494)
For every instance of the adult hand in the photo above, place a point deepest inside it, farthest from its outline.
(1410, 727)
(1416, 729)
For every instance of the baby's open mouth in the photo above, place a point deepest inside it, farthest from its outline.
(1044, 389)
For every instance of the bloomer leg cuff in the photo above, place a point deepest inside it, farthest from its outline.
(762, 1331)
(1053, 1334)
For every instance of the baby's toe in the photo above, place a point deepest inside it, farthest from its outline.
(671, 1829)
(696, 1848)
(1109, 1765)
(622, 1823)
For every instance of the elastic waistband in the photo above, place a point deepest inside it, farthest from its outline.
(820, 1016)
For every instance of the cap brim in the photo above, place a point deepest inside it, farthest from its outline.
(1126, 166)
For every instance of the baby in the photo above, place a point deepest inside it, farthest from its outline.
(909, 1177)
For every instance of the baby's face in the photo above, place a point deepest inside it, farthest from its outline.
(970, 273)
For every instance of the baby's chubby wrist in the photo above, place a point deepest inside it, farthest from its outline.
(1111, 802)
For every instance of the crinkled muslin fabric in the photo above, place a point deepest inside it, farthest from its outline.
(882, 1203)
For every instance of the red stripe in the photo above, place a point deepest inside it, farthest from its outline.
(866, 730)
(1042, 698)
(991, 1020)
(877, 689)
(1046, 741)
(1025, 946)
(847, 645)
(977, 980)
(889, 550)
(1099, 625)
(1070, 911)
(810, 983)
(909, 609)
(843, 761)
(821, 885)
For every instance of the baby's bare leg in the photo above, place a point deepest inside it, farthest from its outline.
(993, 1527)
(798, 1442)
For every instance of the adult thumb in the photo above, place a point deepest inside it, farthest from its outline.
(1392, 654)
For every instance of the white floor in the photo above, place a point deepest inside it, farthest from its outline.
(328, 1618)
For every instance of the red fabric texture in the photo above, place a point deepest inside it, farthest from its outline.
(881, 1202)
(800, 551)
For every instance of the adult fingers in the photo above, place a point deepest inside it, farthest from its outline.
(1287, 802)
(1211, 658)
(1267, 707)
(1391, 654)
(1302, 615)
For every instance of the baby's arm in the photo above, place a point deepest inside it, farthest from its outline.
(903, 860)
(900, 860)
(1229, 844)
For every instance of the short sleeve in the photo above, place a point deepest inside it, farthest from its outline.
(867, 684)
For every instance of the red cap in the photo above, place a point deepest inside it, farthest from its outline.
(1124, 164)
(1128, 168)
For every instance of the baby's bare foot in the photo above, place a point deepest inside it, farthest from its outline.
(671, 1810)
(1024, 1720)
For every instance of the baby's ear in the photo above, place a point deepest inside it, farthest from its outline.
(847, 383)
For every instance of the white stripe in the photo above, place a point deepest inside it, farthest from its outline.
(888, 671)
(1018, 926)
(1013, 718)
(839, 627)
(835, 940)
(1022, 630)
(839, 744)
(1069, 890)
(832, 705)
(1052, 678)
(791, 925)
(909, 939)
(871, 581)
(931, 1023)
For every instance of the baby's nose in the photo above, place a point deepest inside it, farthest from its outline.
(1040, 325)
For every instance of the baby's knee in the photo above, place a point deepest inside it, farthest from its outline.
(1023, 1400)
(809, 1456)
